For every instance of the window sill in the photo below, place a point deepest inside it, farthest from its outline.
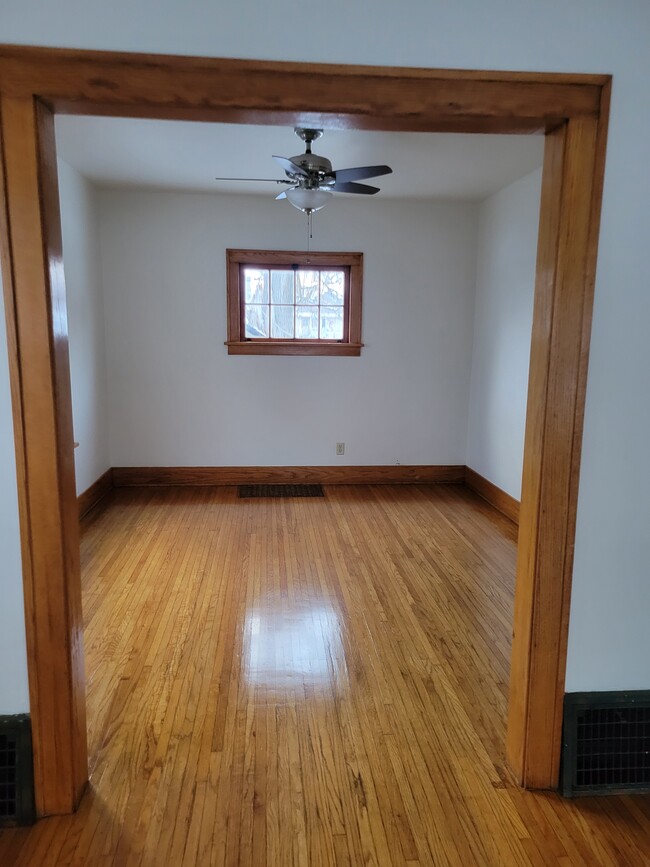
(291, 347)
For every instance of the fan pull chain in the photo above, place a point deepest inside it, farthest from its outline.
(309, 231)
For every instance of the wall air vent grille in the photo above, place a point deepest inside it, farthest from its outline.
(16, 771)
(7, 776)
(246, 491)
(606, 745)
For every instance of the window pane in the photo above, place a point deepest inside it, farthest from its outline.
(306, 287)
(256, 283)
(332, 287)
(307, 323)
(282, 321)
(331, 323)
(281, 287)
(257, 320)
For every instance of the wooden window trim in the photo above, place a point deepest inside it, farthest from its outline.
(237, 344)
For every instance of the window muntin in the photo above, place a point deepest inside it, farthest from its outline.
(298, 304)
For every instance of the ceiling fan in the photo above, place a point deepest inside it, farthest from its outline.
(312, 180)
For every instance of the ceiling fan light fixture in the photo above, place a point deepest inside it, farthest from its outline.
(308, 200)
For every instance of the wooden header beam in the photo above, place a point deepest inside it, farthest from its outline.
(369, 97)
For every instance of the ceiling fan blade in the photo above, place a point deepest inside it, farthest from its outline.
(290, 167)
(349, 187)
(360, 173)
(256, 180)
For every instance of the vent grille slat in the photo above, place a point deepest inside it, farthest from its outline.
(606, 744)
(249, 491)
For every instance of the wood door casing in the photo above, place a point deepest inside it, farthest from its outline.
(571, 109)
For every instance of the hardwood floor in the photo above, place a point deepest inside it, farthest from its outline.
(308, 682)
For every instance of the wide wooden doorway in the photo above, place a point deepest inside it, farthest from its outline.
(571, 110)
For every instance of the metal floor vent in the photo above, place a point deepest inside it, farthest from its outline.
(606, 743)
(16, 771)
(281, 491)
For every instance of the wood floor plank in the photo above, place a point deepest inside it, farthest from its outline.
(308, 683)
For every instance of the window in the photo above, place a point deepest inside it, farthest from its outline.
(286, 303)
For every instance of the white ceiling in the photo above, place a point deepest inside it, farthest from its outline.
(184, 155)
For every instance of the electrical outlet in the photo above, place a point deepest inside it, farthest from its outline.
(340, 448)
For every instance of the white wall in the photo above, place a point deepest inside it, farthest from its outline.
(503, 316)
(14, 694)
(609, 642)
(79, 224)
(177, 398)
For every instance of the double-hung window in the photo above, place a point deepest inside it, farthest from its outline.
(290, 303)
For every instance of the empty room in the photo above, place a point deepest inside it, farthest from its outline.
(272, 657)
(308, 558)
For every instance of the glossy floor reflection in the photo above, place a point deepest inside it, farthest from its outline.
(291, 648)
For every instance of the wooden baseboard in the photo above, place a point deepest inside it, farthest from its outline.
(127, 477)
(358, 475)
(96, 492)
(495, 496)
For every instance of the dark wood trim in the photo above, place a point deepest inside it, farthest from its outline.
(281, 258)
(94, 494)
(292, 347)
(493, 494)
(327, 475)
(572, 109)
(37, 323)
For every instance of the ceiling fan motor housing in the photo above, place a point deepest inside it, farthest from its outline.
(315, 165)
